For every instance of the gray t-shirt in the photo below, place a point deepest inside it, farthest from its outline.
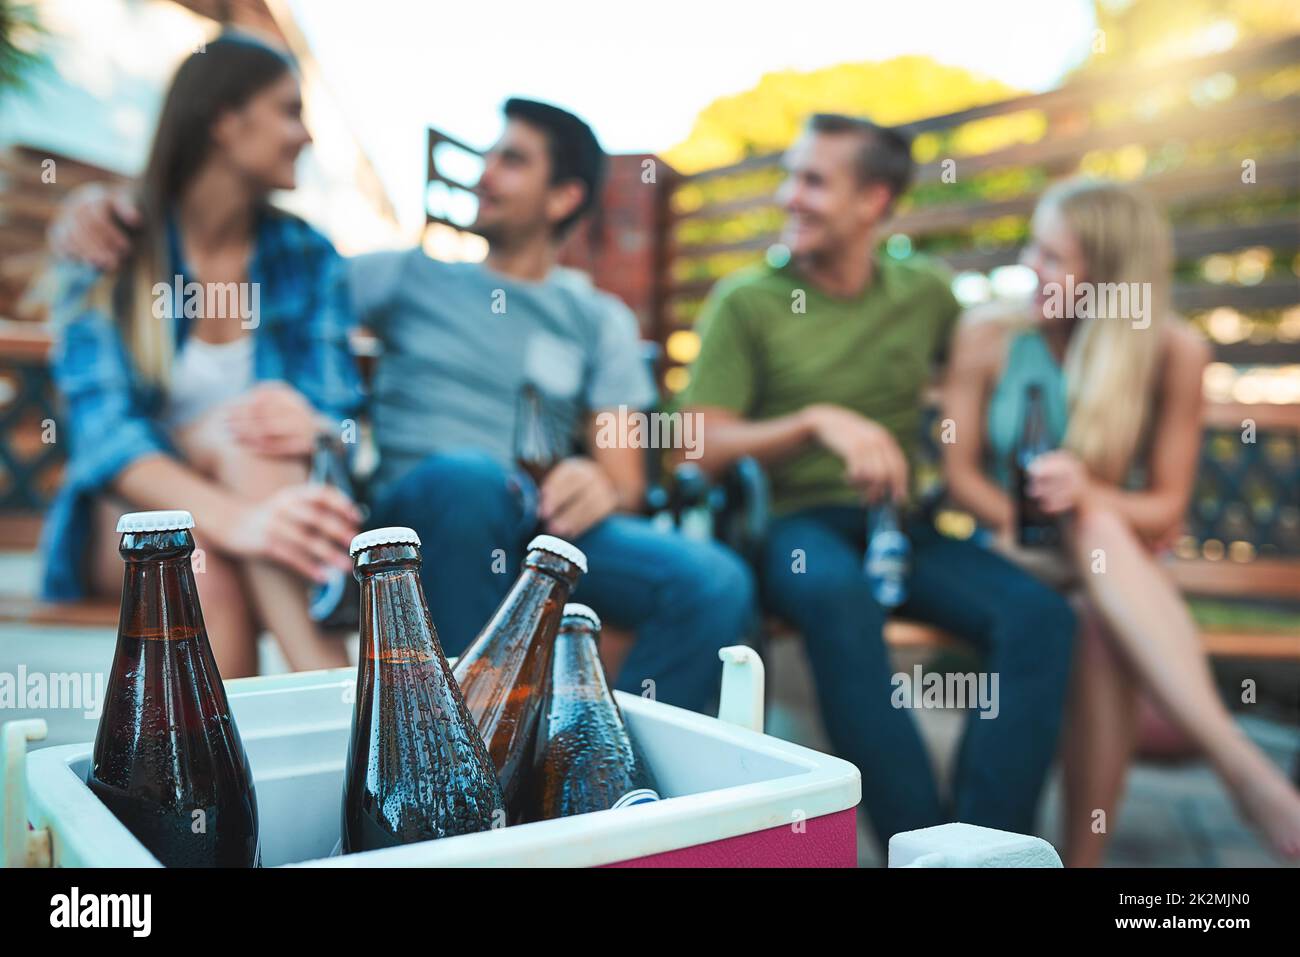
(461, 341)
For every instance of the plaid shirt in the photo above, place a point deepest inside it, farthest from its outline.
(112, 417)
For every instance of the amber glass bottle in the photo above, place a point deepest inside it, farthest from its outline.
(168, 760)
(1034, 527)
(416, 768)
(536, 450)
(585, 759)
(503, 671)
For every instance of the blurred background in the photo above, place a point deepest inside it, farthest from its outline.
(1199, 100)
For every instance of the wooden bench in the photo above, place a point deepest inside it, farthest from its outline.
(1262, 579)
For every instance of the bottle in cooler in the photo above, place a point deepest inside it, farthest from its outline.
(585, 758)
(416, 768)
(503, 672)
(168, 759)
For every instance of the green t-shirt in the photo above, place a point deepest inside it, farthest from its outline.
(762, 357)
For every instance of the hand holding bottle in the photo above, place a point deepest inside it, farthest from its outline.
(304, 527)
(1058, 481)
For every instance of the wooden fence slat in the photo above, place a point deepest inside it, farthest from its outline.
(1267, 417)
(1181, 186)
(1190, 242)
(746, 204)
(1257, 353)
(1188, 297)
(1259, 578)
(1194, 297)
(1229, 119)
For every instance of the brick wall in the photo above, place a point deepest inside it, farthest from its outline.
(621, 247)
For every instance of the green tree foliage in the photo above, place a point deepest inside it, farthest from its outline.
(20, 32)
(767, 118)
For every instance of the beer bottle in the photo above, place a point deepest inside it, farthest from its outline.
(888, 557)
(694, 502)
(168, 759)
(1034, 528)
(333, 603)
(585, 759)
(502, 673)
(535, 448)
(416, 767)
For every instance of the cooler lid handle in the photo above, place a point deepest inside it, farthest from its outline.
(20, 846)
(741, 700)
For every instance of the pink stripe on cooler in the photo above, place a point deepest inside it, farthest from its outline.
(827, 841)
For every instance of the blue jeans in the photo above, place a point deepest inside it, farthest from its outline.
(1022, 628)
(684, 599)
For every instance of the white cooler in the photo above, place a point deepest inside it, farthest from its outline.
(732, 795)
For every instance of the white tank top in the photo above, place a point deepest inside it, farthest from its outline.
(206, 375)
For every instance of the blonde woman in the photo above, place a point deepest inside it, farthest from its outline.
(1120, 378)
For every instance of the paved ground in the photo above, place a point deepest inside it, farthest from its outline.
(1173, 816)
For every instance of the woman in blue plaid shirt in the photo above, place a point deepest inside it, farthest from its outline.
(198, 369)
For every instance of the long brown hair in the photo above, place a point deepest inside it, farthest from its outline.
(222, 76)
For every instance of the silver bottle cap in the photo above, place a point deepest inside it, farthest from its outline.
(164, 521)
(575, 610)
(392, 535)
(558, 546)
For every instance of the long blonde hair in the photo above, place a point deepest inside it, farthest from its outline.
(1111, 364)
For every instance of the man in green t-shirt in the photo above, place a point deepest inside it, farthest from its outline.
(816, 368)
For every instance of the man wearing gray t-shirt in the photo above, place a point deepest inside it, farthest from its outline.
(462, 342)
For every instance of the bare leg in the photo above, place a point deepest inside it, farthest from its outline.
(226, 613)
(1157, 635)
(277, 595)
(1098, 743)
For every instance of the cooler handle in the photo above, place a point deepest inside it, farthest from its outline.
(20, 845)
(741, 700)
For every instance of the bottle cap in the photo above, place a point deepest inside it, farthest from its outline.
(558, 546)
(392, 535)
(575, 610)
(166, 521)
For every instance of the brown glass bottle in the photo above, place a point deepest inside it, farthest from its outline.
(417, 769)
(1034, 527)
(502, 673)
(168, 759)
(585, 758)
(333, 603)
(536, 450)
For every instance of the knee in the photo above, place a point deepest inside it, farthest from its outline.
(216, 575)
(1098, 526)
(714, 581)
(1043, 616)
(458, 472)
(797, 585)
(463, 488)
(253, 474)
